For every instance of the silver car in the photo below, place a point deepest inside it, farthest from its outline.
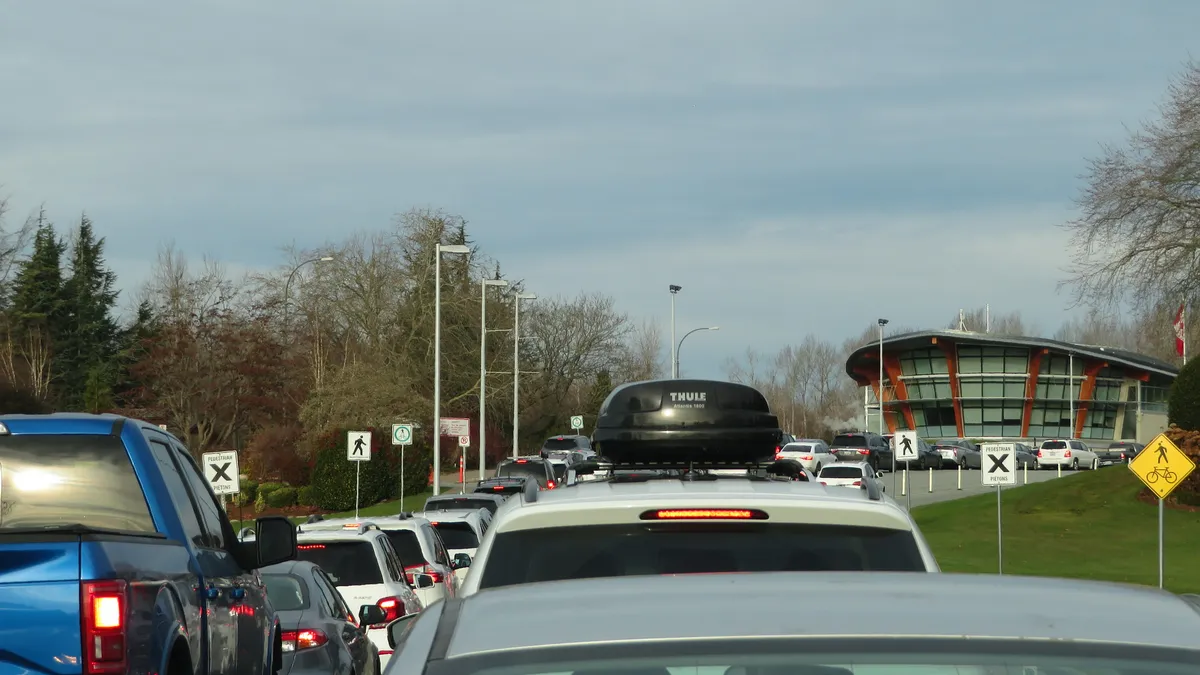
(804, 623)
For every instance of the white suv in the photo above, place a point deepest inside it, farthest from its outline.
(361, 562)
(419, 547)
(461, 532)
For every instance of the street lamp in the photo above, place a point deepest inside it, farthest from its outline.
(882, 323)
(680, 346)
(287, 287)
(483, 368)
(439, 249)
(674, 354)
(517, 298)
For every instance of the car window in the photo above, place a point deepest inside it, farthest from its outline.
(440, 554)
(560, 444)
(70, 478)
(581, 552)
(287, 592)
(406, 545)
(348, 563)
(797, 447)
(457, 534)
(180, 496)
(327, 586)
(391, 559)
(325, 594)
(211, 515)
(1053, 445)
(850, 441)
(836, 471)
(533, 469)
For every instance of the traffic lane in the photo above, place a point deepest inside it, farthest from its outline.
(946, 483)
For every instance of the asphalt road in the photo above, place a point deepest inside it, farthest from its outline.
(946, 483)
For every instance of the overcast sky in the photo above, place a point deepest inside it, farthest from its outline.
(798, 167)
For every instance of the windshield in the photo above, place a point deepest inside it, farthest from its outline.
(535, 470)
(286, 592)
(60, 479)
(816, 656)
(407, 546)
(348, 563)
(457, 535)
(554, 553)
(850, 441)
(841, 472)
(461, 504)
(1054, 445)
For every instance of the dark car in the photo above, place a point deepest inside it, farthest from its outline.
(927, 457)
(1119, 452)
(561, 447)
(321, 634)
(503, 485)
(861, 446)
(535, 467)
(464, 502)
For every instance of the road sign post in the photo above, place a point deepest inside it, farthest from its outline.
(358, 450)
(402, 435)
(464, 442)
(576, 422)
(905, 448)
(999, 463)
(1162, 466)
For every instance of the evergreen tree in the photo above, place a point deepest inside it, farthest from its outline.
(37, 288)
(134, 339)
(86, 362)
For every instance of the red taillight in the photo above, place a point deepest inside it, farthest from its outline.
(309, 547)
(864, 451)
(1067, 454)
(412, 571)
(1122, 455)
(393, 607)
(705, 514)
(497, 488)
(103, 626)
(550, 485)
(299, 640)
(1039, 453)
(807, 458)
(522, 461)
(857, 483)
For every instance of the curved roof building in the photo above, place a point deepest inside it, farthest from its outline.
(951, 383)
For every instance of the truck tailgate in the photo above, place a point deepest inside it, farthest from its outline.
(39, 607)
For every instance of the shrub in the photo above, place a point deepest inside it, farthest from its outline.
(260, 501)
(268, 488)
(1188, 491)
(283, 497)
(1183, 401)
(274, 453)
(249, 490)
(304, 495)
(334, 477)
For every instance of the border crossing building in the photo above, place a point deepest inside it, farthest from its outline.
(962, 384)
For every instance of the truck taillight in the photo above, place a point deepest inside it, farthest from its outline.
(299, 640)
(393, 607)
(104, 606)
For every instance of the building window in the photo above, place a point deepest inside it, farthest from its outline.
(1056, 389)
(935, 421)
(1101, 421)
(923, 362)
(1107, 390)
(992, 387)
(992, 418)
(1050, 419)
(1057, 364)
(992, 360)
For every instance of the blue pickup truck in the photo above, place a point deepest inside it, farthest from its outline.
(116, 557)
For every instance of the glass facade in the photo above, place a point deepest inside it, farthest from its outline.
(992, 383)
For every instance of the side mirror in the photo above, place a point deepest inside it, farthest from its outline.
(371, 615)
(398, 629)
(424, 581)
(879, 474)
(274, 541)
(586, 467)
(572, 477)
(461, 561)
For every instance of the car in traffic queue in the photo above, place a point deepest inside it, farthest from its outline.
(812, 453)
(362, 564)
(1026, 456)
(419, 548)
(461, 532)
(959, 453)
(663, 511)
(860, 447)
(322, 635)
(561, 446)
(470, 501)
(535, 467)
(850, 474)
(1069, 454)
(116, 556)
(951, 624)
(505, 486)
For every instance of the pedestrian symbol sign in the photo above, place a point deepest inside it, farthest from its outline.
(1162, 466)
(906, 446)
(402, 434)
(999, 464)
(358, 446)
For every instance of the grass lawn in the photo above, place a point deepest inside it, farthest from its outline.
(410, 503)
(1088, 526)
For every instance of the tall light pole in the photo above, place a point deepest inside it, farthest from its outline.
(517, 298)
(882, 323)
(483, 331)
(679, 347)
(439, 249)
(674, 354)
(287, 287)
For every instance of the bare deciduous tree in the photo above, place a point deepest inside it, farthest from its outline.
(642, 358)
(982, 320)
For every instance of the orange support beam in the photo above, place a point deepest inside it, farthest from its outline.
(1142, 375)
(952, 368)
(891, 364)
(1085, 393)
(1035, 369)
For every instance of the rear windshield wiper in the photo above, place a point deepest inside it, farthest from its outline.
(74, 528)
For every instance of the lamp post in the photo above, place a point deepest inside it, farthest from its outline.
(517, 298)
(679, 347)
(439, 249)
(674, 354)
(287, 287)
(483, 369)
(882, 323)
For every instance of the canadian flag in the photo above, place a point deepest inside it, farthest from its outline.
(1179, 337)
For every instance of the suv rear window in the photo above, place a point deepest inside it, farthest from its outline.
(836, 471)
(532, 468)
(348, 563)
(548, 554)
(562, 444)
(849, 441)
(407, 547)
(64, 479)
(457, 535)
(461, 504)
(1054, 445)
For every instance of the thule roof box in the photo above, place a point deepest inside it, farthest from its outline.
(686, 423)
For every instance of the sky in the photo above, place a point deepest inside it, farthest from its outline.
(797, 167)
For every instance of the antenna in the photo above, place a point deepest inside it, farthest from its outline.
(962, 322)
(987, 318)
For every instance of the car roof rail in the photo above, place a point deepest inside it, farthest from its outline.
(871, 487)
(531, 491)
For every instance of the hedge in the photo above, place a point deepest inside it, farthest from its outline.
(249, 490)
(268, 488)
(1183, 401)
(333, 486)
(283, 497)
(304, 495)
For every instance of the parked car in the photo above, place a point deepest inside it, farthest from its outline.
(812, 453)
(1119, 452)
(927, 457)
(116, 556)
(1072, 454)
(959, 452)
(860, 447)
(1026, 456)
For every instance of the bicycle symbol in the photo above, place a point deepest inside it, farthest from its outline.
(1166, 473)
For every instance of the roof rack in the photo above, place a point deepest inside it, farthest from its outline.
(530, 493)
(872, 489)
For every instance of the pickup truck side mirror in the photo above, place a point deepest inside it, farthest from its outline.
(397, 629)
(274, 542)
